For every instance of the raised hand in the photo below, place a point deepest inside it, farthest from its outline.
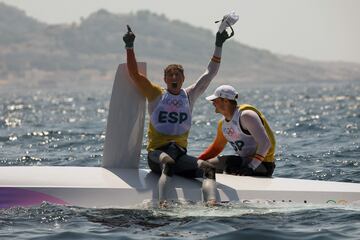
(129, 38)
(221, 37)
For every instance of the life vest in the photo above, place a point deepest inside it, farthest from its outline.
(241, 140)
(170, 120)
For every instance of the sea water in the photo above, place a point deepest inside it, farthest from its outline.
(317, 132)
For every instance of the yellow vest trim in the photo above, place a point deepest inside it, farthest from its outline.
(270, 155)
(157, 139)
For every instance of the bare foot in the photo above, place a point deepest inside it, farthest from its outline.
(163, 204)
(211, 203)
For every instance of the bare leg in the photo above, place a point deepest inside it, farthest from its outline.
(217, 163)
(209, 183)
(166, 162)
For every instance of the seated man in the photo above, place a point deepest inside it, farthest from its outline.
(170, 112)
(249, 133)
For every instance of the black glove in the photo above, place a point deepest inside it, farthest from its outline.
(129, 38)
(221, 38)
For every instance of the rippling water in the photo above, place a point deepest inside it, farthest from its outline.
(317, 131)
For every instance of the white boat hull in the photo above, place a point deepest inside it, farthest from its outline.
(127, 188)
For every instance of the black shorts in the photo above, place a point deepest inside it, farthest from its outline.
(234, 164)
(185, 165)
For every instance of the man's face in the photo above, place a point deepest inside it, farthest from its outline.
(174, 80)
(219, 104)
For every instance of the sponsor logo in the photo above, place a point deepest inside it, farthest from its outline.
(341, 201)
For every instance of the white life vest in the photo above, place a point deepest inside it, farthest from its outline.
(243, 144)
(172, 115)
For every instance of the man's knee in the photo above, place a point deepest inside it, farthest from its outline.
(154, 165)
(270, 167)
(233, 164)
(208, 169)
(173, 150)
(209, 173)
(168, 169)
(157, 167)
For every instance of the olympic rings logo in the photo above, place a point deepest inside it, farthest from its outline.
(341, 201)
(174, 102)
(229, 131)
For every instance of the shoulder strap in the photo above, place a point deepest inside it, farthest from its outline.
(243, 107)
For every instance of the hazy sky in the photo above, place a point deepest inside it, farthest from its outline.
(315, 29)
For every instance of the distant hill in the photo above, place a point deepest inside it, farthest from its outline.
(34, 53)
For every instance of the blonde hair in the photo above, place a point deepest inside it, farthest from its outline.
(174, 67)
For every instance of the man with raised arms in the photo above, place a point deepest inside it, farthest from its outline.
(249, 133)
(170, 112)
